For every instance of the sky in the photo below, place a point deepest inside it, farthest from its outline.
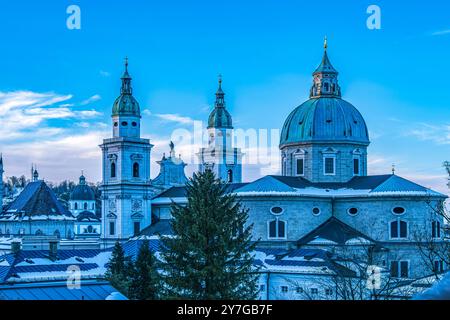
(57, 85)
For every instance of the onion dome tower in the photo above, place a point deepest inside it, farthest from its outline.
(325, 139)
(220, 156)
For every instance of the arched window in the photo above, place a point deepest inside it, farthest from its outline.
(230, 176)
(435, 229)
(326, 86)
(399, 229)
(85, 206)
(90, 229)
(69, 234)
(93, 206)
(113, 170)
(57, 234)
(277, 229)
(39, 232)
(75, 206)
(136, 170)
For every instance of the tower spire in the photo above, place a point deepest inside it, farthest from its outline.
(220, 95)
(126, 80)
(325, 78)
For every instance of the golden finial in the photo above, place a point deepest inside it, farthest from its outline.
(325, 43)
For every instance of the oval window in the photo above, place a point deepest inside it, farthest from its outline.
(115, 124)
(352, 211)
(276, 210)
(316, 211)
(124, 123)
(398, 210)
(134, 124)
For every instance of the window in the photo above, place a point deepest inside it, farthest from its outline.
(329, 166)
(90, 229)
(137, 228)
(316, 211)
(314, 291)
(438, 266)
(276, 210)
(112, 230)
(85, 206)
(124, 123)
(115, 124)
(300, 166)
(277, 229)
(399, 229)
(398, 210)
(352, 211)
(435, 229)
(399, 269)
(134, 124)
(57, 234)
(93, 206)
(38, 232)
(76, 206)
(328, 292)
(230, 176)
(284, 289)
(136, 170)
(356, 166)
(113, 170)
(299, 290)
(262, 288)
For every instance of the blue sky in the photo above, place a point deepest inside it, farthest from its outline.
(58, 85)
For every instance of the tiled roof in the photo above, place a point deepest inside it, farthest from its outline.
(89, 290)
(180, 192)
(162, 227)
(36, 202)
(336, 232)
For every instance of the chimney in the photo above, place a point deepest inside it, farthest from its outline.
(15, 247)
(53, 249)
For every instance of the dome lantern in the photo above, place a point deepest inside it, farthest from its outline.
(220, 118)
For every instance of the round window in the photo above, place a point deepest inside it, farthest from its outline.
(398, 210)
(134, 124)
(124, 123)
(276, 210)
(316, 211)
(115, 124)
(352, 211)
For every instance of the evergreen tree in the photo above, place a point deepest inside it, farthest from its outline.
(118, 270)
(144, 275)
(209, 256)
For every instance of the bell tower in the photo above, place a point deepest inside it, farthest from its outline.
(126, 193)
(220, 156)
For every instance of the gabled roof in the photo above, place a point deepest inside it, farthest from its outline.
(36, 202)
(334, 231)
(89, 290)
(357, 186)
(266, 184)
(181, 192)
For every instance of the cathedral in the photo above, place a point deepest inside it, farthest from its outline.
(323, 199)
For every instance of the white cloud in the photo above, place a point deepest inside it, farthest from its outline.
(441, 32)
(439, 134)
(175, 118)
(105, 73)
(94, 98)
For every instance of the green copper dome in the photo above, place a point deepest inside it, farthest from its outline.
(220, 117)
(325, 116)
(324, 119)
(126, 104)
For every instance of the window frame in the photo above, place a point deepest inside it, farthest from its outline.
(297, 158)
(277, 232)
(436, 229)
(112, 231)
(399, 237)
(357, 158)
(325, 157)
(399, 269)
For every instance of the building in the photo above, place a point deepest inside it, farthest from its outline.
(220, 156)
(126, 187)
(36, 211)
(324, 188)
(82, 204)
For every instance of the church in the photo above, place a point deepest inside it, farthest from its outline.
(323, 200)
